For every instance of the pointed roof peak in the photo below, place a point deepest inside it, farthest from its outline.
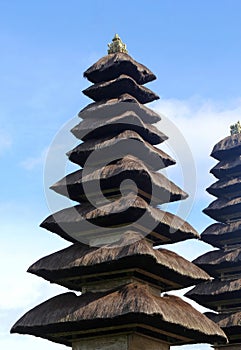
(117, 45)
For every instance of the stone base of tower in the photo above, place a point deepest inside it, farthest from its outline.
(228, 347)
(133, 341)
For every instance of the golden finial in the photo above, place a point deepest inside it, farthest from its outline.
(235, 128)
(117, 45)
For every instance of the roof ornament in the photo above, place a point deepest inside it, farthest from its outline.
(117, 45)
(235, 128)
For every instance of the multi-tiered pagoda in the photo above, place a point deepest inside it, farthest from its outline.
(223, 293)
(112, 261)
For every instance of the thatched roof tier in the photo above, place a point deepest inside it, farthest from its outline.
(216, 293)
(228, 147)
(124, 143)
(82, 185)
(83, 222)
(99, 128)
(135, 306)
(230, 323)
(113, 65)
(224, 209)
(111, 108)
(228, 188)
(220, 262)
(79, 265)
(227, 168)
(219, 235)
(121, 85)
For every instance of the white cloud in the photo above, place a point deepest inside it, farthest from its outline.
(21, 289)
(21, 342)
(203, 123)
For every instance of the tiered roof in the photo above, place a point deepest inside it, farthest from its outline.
(223, 293)
(113, 229)
(132, 307)
(74, 266)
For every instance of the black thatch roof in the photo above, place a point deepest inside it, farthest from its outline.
(227, 168)
(224, 209)
(228, 147)
(214, 293)
(84, 184)
(220, 235)
(124, 143)
(228, 188)
(78, 265)
(124, 103)
(111, 66)
(98, 128)
(83, 222)
(67, 315)
(220, 261)
(230, 323)
(116, 87)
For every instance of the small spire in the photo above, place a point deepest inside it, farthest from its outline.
(235, 128)
(117, 45)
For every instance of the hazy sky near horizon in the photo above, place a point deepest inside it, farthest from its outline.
(194, 49)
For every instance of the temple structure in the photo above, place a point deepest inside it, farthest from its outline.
(223, 293)
(113, 261)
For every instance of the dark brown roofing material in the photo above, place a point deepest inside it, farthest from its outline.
(228, 188)
(124, 143)
(124, 103)
(96, 128)
(121, 85)
(214, 293)
(220, 234)
(83, 221)
(83, 185)
(228, 147)
(227, 168)
(111, 66)
(131, 253)
(134, 305)
(218, 261)
(229, 322)
(224, 209)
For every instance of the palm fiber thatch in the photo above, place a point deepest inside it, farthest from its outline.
(135, 305)
(113, 65)
(227, 188)
(83, 184)
(220, 234)
(116, 87)
(98, 128)
(228, 147)
(220, 261)
(227, 168)
(224, 209)
(110, 108)
(131, 253)
(83, 221)
(215, 293)
(124, 143)
(230, 323)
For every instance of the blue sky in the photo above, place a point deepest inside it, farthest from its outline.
(194, 49)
